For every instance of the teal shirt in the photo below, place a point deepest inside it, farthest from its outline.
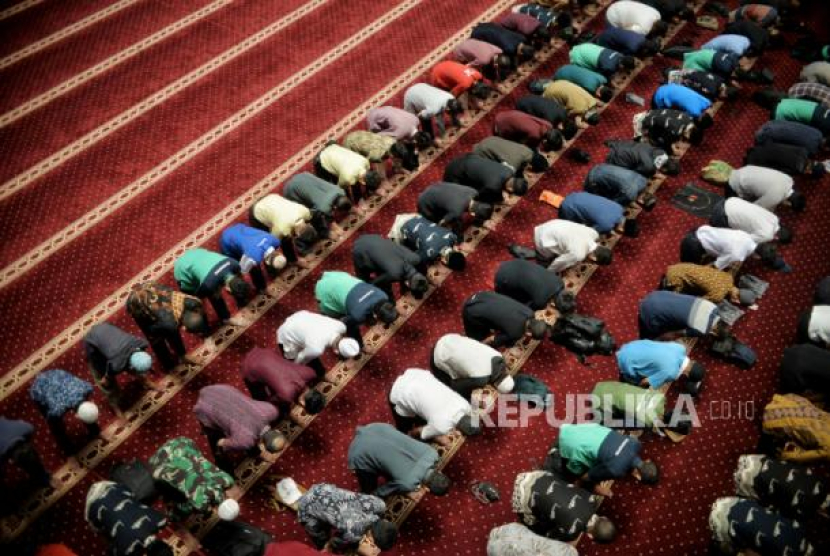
(331, 292)
(191, 269)
(579, 445)
(586, 55)
(585, 78)
(700, 60)
(795, 110)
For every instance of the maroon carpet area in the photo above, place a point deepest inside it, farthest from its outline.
(120, 159)
(52, 65)
(39, 21)
(79, 276)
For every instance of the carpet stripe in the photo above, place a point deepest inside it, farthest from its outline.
(114, 124)
(190, 151)
(17, 8)
(77, 468)
(65, 32)
(105, 65)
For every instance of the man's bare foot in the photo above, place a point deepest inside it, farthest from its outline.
(489, 225)
(443, 440)
(416, 495)
(238, 320)
(234, 492)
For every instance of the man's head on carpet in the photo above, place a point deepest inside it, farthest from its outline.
(647, 472)
(314, 402)
(601, 529)
(437, 483)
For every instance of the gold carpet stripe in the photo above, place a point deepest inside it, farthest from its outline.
(98, 69)
(65, 32)
(111, 126)
(173, 163)
(116, 433)
(17, 8)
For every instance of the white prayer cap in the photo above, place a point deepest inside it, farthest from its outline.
(506, 385)
(278, 262)
(228, 510)
(348, 348)
(288, 491)
(88, 413)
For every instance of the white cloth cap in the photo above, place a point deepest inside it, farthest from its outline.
(288, 491)
(279, 262)
(88, 413)
(506, 385)
(228, 510)
(348, 348)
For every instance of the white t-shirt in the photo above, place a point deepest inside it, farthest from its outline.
(728, 245)
(304, 336)
(764, 187)
(757, 221)
(425, 100)
(570, 242)
(417, 393)
(463, 357)
(819, 327)
(349, 166)
(633, 16)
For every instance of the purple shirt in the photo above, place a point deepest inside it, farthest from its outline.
(241, 419)
(476, 53)
(392, 122)
(521, 23)
(284, 379)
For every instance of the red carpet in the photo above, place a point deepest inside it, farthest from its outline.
(668, 519)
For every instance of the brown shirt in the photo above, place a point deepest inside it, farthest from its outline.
(710, 283)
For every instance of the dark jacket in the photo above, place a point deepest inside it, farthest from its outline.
(487, 312)
(381, 261)
(486, 176)
(445, 203)
(528, 283)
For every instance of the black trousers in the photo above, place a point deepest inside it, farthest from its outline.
(167, 345)
(24, 455)
(464, 387)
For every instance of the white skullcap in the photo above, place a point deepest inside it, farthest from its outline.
(228, 510)
(279, 262)
(348, 348)
(288, 491)
(88, 413)
(506, 385)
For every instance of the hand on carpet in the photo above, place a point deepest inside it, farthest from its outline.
(604, 489)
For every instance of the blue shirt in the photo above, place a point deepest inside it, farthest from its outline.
(619, 184)
(681, 98)
(737, 44)
(585, 78)
(361, 299)
(658, 362)
(592, 210)
(664, 311)
(239, 240)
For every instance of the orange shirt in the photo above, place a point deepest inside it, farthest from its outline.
(455, 77)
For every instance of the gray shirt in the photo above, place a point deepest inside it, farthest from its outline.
(764, 187)
(312, 192)
(514, 539)
(379, 449)
(817, 72)
(511, 154)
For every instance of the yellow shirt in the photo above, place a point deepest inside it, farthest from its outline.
(804, 427)
(349, 166)
(280, 214)
(573, 97)
(710, 283)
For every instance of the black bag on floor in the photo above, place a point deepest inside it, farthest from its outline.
(137, 477)
(583, 335)
(235, 538)
(731, 350)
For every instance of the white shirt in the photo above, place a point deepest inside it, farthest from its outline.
(765, 187)
(757, 221)
(819, 327)
(633, 16)
(304, 336)
(728, 245)
(463, 357)
(417, 393)
(349, 167)
(569, 242)
(425, 100)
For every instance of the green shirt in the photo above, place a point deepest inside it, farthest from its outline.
(699, 60)
(586, 55)
(579, 445)
(331, 292)
(795, 110)
(585, 78)
(633, 402)
(191, 269)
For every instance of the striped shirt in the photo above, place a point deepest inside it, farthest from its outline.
(812, 91)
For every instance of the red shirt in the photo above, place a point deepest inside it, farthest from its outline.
(520, 127)
(284, 379)
(455, 77)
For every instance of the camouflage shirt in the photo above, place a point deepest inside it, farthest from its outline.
(373, 146)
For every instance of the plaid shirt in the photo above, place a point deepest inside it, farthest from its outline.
(813, 91)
